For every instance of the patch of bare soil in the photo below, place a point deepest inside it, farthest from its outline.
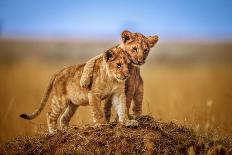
(151, 137)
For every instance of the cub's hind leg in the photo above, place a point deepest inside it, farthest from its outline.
(57, 107)
(67, 115)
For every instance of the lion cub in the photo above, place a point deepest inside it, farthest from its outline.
(108, 83)
(137, 46)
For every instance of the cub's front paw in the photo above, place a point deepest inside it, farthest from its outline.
(131, 123)
(100, 122)
(52, 132)
(99, 125)
(64, 127)
(132, 117)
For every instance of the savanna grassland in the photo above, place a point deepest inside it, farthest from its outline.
(190, 83)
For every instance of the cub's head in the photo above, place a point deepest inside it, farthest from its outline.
(117, 63)
(138, 46)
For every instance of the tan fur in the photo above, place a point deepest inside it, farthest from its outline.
(108, 83)
(137, 47)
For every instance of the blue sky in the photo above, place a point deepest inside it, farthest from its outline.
(105, 18)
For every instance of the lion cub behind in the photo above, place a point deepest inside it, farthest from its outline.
(108, 83)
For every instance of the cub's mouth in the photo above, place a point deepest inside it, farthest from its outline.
(141, 63)
(136, 62)
(121, 78)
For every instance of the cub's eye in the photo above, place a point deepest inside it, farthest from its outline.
(119, 65)
(134, 49)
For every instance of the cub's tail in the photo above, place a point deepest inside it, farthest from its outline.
(42, 103)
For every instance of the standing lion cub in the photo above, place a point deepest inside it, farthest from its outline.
(137, 46)
(108, 83)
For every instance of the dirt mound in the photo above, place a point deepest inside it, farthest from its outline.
(151, 137)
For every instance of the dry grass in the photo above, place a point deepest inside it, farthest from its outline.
(200, 94)
(151, 137)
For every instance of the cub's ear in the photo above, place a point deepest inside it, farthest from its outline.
(126, 36)
(108, 55)
(152, 40)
